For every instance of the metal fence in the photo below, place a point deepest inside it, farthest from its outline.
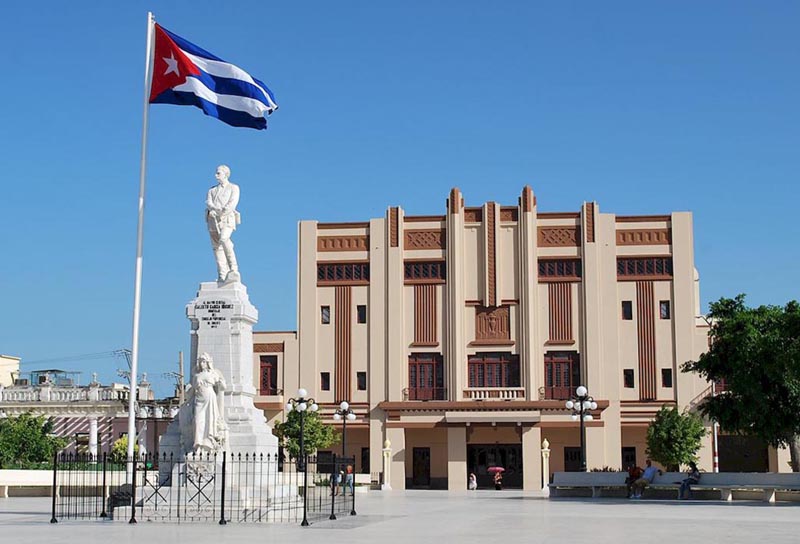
(202, 488)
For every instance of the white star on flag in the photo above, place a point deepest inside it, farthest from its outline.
(172, 65)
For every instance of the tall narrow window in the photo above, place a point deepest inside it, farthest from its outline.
(361, 378)
(562, 374)
(361, 310)
(426, 377)
(268, 383)
(663, 309)
(666, 377)
(325, 381)
(627, 310)
(325, 315)
(627, 376)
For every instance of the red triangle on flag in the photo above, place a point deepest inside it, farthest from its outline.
(171, 66)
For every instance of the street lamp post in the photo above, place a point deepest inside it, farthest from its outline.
(345, 414)
(303, 404)
(581, 405)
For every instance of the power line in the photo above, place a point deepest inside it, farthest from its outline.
(73, 358)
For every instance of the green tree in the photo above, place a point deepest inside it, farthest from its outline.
(756, 352)
(26, 441)
(119, 450)
(317, 435)
(673, 438)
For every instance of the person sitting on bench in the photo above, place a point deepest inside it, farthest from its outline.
(647, 478)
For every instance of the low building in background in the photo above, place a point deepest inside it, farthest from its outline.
(9, 367)
(91, 417)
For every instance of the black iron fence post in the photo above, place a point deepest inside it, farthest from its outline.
(222, 520)
(353, 489)
(305, 486)
(55, 486)
(334, 475)
(103, 514)
(133, 490)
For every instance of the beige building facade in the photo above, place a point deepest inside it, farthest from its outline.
(458, 337)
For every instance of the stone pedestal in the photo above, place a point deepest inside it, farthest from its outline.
(222, 320)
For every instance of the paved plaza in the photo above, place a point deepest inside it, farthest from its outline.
(431, 516)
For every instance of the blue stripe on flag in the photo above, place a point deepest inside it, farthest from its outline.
(234, 87)
(231, 117)
(189, 47)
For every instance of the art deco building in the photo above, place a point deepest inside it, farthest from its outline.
(458, 337)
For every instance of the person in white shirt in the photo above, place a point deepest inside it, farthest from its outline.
(647, 478)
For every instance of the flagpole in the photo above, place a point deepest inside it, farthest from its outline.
(137, 282)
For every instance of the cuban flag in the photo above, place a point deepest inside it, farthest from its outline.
(187, 75)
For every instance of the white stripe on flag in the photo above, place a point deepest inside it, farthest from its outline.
(238, 103)
(226, 69)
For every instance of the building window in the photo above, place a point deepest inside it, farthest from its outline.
(666, 377)
(361, 378)
(572, 459)
(325, 381)
(644, 267)
(361, 310)
(325, 315)
(426, 377)
(627, 310)
(627, 378)
(268, 377)
(494, 370)
(342, 273)
(562, 374)
(628, 457)
(364, 460)
(559, 269)
(663, 307)
(425, 272)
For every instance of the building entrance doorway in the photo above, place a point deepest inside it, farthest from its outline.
(482, 456)
(421, 468)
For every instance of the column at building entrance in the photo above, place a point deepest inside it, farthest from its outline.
(532, 457)
(456, 458)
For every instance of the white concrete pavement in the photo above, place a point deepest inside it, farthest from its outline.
(434, 516)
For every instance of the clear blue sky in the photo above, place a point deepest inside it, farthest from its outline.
(645, 107)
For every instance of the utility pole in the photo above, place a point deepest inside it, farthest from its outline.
(178, 376)
(181, 386)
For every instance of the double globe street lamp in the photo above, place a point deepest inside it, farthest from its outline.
(302, 404)
(344, 414)
(581, 405)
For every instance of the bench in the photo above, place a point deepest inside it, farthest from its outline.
(26, 481)
(767, 483)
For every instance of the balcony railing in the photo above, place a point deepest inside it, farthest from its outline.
(425, 393)
(558, 393)
(54, 393)
(270, 392)
(494, 393)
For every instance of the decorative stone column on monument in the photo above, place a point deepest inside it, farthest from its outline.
(222, 321)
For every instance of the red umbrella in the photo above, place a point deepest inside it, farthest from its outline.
(495, 469)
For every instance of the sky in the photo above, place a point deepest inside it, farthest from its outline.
(644, 107)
